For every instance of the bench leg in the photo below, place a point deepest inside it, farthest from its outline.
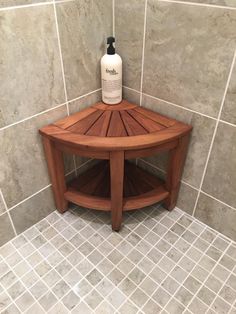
(56, 171)
(174, 172)
(117, 178)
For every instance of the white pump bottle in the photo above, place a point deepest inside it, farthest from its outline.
(111, 70)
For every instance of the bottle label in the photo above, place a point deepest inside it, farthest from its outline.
(111, 86)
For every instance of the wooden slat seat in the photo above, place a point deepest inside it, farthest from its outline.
(121, 127)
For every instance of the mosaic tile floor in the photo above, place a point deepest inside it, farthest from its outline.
(160, 262)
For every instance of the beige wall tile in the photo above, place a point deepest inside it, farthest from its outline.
(217, 215)
(83, 27)
(202, 133)
(129, 28)
(6, 231)
(229, 109)
(32, 210)
(22, 160)
(31, 78)
(220, 179)
(188, 54)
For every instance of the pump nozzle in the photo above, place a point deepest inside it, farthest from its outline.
(110, 49)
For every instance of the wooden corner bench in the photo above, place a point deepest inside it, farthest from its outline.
(115, 134)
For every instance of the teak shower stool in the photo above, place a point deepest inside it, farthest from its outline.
(115, 134)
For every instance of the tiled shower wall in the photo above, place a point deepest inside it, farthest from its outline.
(179, 59)
(49, 65)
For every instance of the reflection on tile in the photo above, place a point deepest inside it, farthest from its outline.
(129, 39)
(201, 136)
(175, 68)
(219, 171)
(82, 48)
(29, 36)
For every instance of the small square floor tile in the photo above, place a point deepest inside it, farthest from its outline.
(70, 300)
(139, 297)
(128, 308)
(93, 299)
(161, 296)
(174, 307)
(24, 301)
(151, 307)
(60, 289)
(127, 286)
(47, 301)
(184, 296)
(206, 295)
(39, 289)
(220, 306)
(197, 306)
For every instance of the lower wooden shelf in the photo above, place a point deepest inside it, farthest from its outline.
(92, 188)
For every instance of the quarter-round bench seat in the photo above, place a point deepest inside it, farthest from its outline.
(115, 134)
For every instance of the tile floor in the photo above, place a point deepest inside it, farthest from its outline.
(160, 262)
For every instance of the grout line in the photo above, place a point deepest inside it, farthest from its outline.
(47, 110)
(82, 96)
(191, 186)
(33, 116)
(184, 108)
(231, 124)
(32, 5)
(60, 55)
(27, 198)
(178, 106)
(200, 4)
(7, 212)
(113, 18)
(215, 130)
(163, 171)
(143, 51)
(214, 198)
(209, 227)
(26, 6)
(44, 188)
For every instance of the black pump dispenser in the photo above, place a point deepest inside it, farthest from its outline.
(111, 50)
